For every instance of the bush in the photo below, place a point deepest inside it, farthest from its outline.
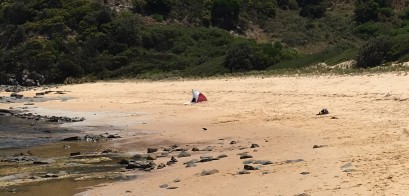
(374, 53)
(225, 14)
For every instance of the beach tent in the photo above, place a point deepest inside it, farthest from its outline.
(197, 96)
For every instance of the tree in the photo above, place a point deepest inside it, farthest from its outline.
(366, 10)
(312, 8)
(225, 14)
(17, 13)
(239, 58)
(374, 52)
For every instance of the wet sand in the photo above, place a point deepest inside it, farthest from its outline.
(361, 143)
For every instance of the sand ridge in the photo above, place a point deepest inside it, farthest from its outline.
(366, 130)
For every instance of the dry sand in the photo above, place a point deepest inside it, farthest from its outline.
(369, 132)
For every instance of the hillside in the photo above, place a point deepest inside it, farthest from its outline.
(52, 41)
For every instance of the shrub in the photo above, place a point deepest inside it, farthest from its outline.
(374, 52)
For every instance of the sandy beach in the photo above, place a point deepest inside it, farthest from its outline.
(361, 145)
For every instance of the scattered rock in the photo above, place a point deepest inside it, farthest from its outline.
(323, 112)
(194, 149)
(245, 156)
(346, 165)
(43, 162)
(349, 170)
(75, 153)
(137, 157)
(209, 172)
(152, 150)
(233, 142)
(254, 146)
(250, 161)
(305, 173)
(161, 166)
(204, 129)
(113, 136)
(143, 165)
(191, 161)
(294, 161)
(249, 167)
(263, 162)
(164, 186)
(151, 157)
(107, 151)
(180, 149)
(123, 162)
(303, 194)
(190, 164)
(176, 180)
(222, 156)
(319, 146)
(243, 172)
(206, 158)
(183, 154)
(208, 148)
(172, 161)
(172, 187)
(50, 175)
(74, 138)
(334, 117)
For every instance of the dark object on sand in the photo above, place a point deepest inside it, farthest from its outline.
(323, 112)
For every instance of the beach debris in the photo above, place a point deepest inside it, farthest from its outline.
(206, 158)
(197, 96)
(75, 153)
(254, 146)
(305, 173)
(164, 186)
(152, 150)
(161, 166)
(194, 149)
(263, 162)
(323, 112)
(184, 154)
(243, 172)
(319, 146)
(233, 142)
(209, 172)
(245, 156)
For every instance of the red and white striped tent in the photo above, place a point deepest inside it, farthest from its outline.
(198, 96)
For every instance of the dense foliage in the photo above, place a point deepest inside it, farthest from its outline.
(62, 39)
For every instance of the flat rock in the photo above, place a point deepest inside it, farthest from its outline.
(74, 138)
(209, 172)
(172, 187)
(190, 164)
(176, 180)
(194, 149)
(183, 154)
(152, 150)
(250, 167)
(206, 158)
(164, 186)
(243, 172)
(250, 161)
(222, 156)
(137, 157)
(263, 162)
(191, 161)
(295, 161)
(245, 156)
(151, 157)
(319, 146)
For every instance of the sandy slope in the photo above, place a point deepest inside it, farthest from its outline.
(278, 113)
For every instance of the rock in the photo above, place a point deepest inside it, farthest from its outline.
(161, 166)
(137, 157)
(294, 161)
(17, 96)
(243, 172)
(172, 161)
(183, 154)
(144, 165)
(151, 157)
(323, 112)
(346, 165)
(215, 158)
(74, 138)
(222, 156)
(123, 162)
(181, 149)
(250, 161)
(349, 170)
(191, 161)
(233, 142)
(209, 172)
(113, 136)
(172, 187)
(40, 93)
(204, 129)
(319, 146)
(263, 162)
(254, 146)
(208, 148)
(107, 151)
(50, 175)
(249, 167)
(75, 153)
(206, 158)
(305, 173)
(167, 149)
(43, 162)
(194, 149)
(245, 156)
(176, 180)
(190, 164)
(152, 150)
(164, 186)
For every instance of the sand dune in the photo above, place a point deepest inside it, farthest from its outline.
(365, 134)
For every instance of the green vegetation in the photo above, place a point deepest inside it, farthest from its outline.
(65, 40)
